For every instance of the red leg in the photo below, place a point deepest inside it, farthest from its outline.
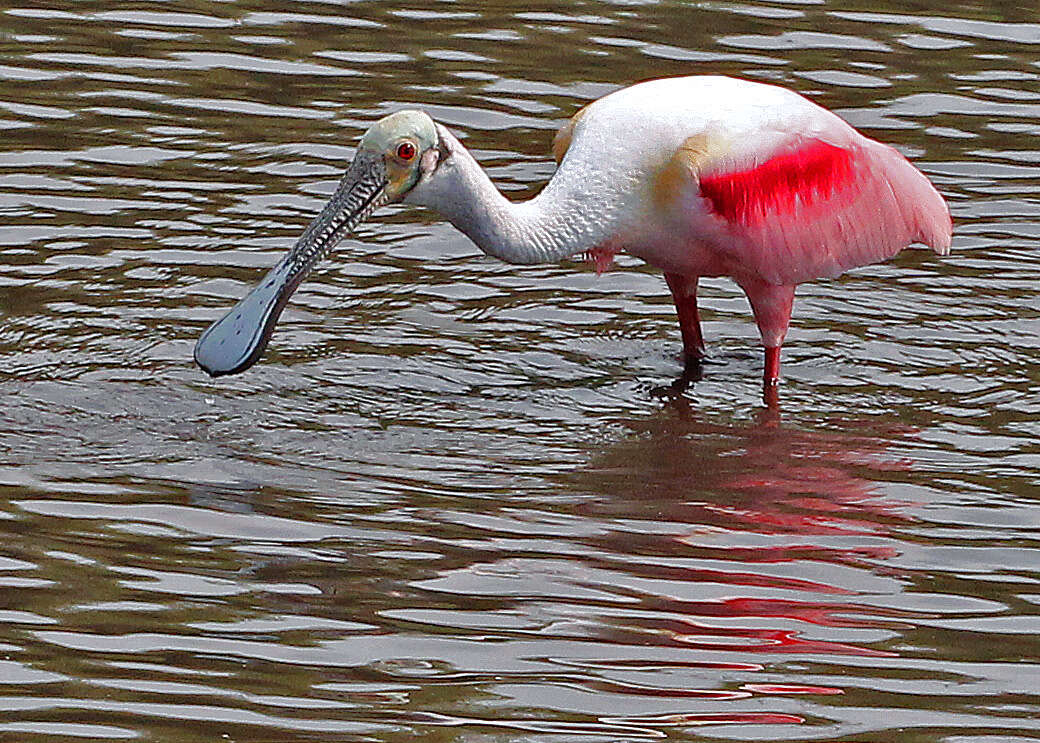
(771, 378)
(684, 292)
(772, 372)
(771, 304)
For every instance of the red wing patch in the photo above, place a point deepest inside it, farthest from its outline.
(779, 184)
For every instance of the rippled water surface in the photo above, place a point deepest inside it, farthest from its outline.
(450, 503)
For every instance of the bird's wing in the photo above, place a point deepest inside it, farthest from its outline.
(562, 141)
(817, 205)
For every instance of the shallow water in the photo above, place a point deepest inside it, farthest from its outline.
(449, 503)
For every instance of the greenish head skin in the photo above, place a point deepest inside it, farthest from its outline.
(404, 140)
(397, 153)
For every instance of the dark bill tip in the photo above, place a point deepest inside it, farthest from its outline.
(236, 341)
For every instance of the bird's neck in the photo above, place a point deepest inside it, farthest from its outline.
(556, 224)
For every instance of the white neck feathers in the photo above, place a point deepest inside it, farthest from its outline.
(563, 220)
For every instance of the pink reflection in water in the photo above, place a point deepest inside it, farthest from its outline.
(778, 528)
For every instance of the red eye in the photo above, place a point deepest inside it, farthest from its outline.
(406, 151)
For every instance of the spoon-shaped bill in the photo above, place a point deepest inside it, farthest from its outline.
(234, 342)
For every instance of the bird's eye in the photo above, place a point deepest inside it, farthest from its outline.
(406, 151)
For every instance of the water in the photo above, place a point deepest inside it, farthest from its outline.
(450, 504)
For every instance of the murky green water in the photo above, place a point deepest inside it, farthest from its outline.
(448, 506)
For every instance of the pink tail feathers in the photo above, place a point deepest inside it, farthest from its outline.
(922, 207)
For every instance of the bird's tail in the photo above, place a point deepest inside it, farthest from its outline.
(921, 204)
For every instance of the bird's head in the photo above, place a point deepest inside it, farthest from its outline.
(397, 154)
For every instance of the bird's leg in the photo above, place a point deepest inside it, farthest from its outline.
(771, 304)
(684, 293)
(772, 369)
(771, 378)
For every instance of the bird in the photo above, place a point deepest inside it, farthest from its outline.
(699, 176)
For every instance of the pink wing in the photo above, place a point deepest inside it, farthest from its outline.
(817, 209)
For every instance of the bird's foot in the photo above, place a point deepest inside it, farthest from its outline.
(771, 393)
(771, 378)
(693, 371)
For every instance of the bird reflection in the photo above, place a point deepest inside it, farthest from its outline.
(761, 525)
(770, 476)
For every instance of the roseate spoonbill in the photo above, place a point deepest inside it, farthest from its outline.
(699, 176)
